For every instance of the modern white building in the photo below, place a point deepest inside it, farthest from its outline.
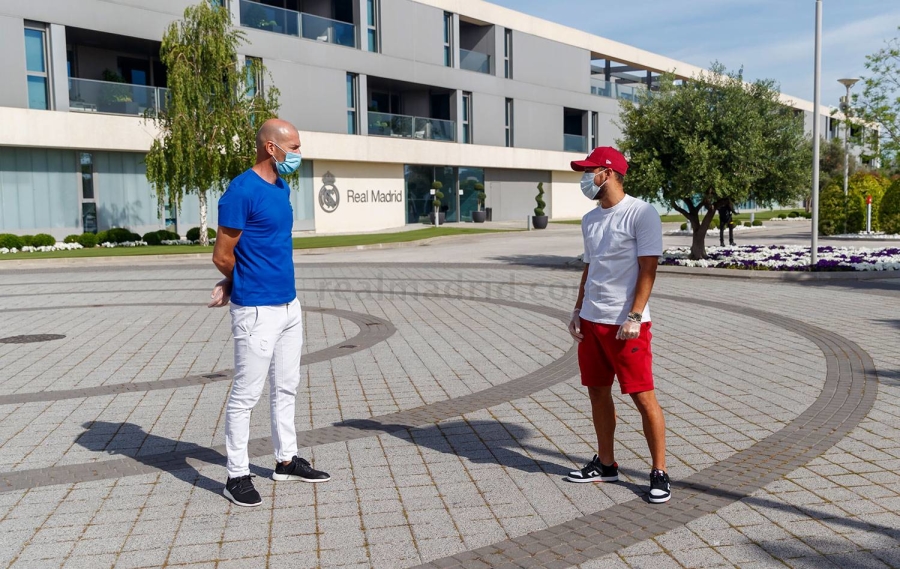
(389, 96)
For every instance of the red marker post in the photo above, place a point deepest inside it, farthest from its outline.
(868, 214)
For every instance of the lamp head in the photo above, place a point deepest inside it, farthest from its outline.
(848, 83)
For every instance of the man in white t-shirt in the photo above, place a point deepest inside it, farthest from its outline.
(611, 321)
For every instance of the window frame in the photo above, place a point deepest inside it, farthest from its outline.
(353, 105)
(507, 53)
(508, 120)
(46, 74)
(448, 39)
(373, 26)
(466, 121)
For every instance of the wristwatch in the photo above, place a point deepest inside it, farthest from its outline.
(635, 317)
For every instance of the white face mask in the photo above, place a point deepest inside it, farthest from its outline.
(588, 188)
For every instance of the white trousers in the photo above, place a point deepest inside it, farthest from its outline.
(267, 342)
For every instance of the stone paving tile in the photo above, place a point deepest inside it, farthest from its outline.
(493, 474)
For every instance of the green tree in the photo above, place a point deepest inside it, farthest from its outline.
(713, 139)
(539, 198)
(880, 101)
(207, 131)
(889, 213)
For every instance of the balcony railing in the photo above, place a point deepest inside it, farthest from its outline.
(298, 24)
(474, 61)
(87, 95)
(403, 126)
(574, 143)
(612, 90)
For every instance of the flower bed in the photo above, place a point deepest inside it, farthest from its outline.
(44, 249)
(712, 231)
(787, 258)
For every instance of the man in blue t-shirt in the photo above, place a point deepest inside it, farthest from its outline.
(254, 251)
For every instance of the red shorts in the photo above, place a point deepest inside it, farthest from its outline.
(601, 358)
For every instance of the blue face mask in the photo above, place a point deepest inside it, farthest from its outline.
(291, 162)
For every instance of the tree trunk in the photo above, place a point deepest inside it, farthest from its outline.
(204, 238)
(700, 228)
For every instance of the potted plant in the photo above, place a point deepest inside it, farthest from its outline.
(116, 95)
(539, 220)
(438, 196)
(479, 215)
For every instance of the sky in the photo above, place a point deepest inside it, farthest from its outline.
(770, 39)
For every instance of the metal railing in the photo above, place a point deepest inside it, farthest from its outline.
(474, 61)
(298, 24)
(574, 143)
(612, 90)
(403, 126)
(90, 96)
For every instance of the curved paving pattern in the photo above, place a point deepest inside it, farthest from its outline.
(851, 385)
(547, 376)
(372, 330)
(848, 395)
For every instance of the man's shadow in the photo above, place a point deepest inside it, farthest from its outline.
(483, 442)
(131, 441)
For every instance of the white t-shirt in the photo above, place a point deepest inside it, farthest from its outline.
(614, 238)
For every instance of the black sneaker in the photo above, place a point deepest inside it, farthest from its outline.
(595, 471)
(660, 491)
(299, 469)
(241, 491)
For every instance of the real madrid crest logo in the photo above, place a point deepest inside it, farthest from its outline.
(329, 197)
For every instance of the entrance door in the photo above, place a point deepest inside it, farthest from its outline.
(471, 182)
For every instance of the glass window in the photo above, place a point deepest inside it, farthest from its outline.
(507, 54)
(466, 118)
(351, 103)
(36, 76)
(87, 175)
(372, 24)
(448, 39)
(509, 122)
(253, 70)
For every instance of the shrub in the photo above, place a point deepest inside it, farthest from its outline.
(684, 226)
(889, 212)
(10, 241)
(782, 216)
(43, 240)
(539, 198)
(757, 223)
(152, 238)
(71, 239)
(748, 224)
(133, 237)
(864, 184)
(193, 234)
(794, 214)
(27, 240)
(834, 215)
(87, 240)
(103, 237)
(806, 215)
(167, 235)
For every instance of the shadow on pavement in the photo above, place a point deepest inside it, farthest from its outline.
(543, 261)
(129, 440)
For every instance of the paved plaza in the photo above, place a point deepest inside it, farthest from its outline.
(440, 389)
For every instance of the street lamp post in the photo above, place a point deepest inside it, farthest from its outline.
(817, 119)
(846, 109)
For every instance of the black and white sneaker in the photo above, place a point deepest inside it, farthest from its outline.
(660, 491)
(595, 471)
(299, 469)
(240, 490)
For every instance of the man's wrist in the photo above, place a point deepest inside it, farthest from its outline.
(634, 317)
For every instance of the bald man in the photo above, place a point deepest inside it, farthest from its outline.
(255, 253)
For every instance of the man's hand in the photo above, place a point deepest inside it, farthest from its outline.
(575, 326)
(630, 330)
(221, 294)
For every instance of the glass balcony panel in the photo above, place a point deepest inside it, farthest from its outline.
(331, 31)
(574, 143)
(402, 126)
(87, 95)
(386, 124)
(270, 18)
(474, 61)
(435, 129)
(612, 90)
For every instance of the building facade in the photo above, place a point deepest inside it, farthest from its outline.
(389, 96)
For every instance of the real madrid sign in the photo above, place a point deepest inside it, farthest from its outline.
(330, 196)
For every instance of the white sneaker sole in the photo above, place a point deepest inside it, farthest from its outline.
(571, 478)
(283, 477)
(238, 503)
(662, 500)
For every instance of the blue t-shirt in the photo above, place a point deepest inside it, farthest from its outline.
(263, 257)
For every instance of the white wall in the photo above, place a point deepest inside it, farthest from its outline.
(360, 179)
(566, 198)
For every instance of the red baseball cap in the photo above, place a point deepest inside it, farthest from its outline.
(603, 157)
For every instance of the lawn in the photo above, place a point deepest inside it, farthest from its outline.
(315, 242)
(678, 218)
